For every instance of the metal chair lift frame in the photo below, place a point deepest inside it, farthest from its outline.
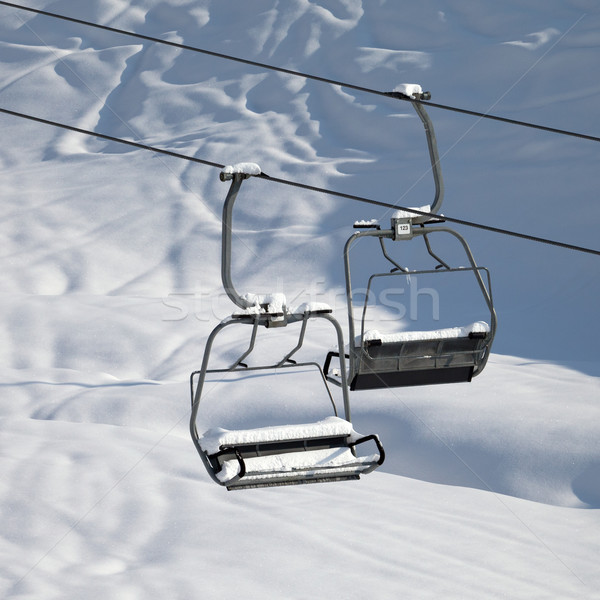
(345, 440)
(374, 364)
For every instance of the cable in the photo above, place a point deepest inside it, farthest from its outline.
(499, 230)
(465, 111)
(306, 186)
(111, 138)
(301, 74)
(192, 48)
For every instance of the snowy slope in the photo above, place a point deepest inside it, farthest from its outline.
(111, 284)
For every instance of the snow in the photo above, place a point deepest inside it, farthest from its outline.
(312, 307)
(407, 214)
(365, 223)
(265, 303)
(213, 439)
(409, 89)
(277, 303)
(244, 168)
(539, 39)
(335, 462)
(434, 334)
(111, 284)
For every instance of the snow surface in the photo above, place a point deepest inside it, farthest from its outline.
(111, 285)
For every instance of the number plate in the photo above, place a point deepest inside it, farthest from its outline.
(403, 229)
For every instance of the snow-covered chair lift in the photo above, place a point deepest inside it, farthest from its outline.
(379, 360)
(411, 358)
(326, 450)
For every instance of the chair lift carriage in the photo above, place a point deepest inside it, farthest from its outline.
(411, 358)
(326, 450)
(379, 360)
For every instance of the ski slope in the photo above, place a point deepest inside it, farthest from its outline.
(111, 285)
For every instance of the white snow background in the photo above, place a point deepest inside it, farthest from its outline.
(110, 286)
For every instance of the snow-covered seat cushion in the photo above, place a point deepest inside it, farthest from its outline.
(435, 334)
(335, 461)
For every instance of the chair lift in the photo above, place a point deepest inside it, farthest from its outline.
(322, 451)
(378, 360)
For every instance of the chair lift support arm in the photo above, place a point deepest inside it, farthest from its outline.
(236, 182)
(433, 155)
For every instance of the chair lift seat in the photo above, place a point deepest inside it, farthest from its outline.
(420, 357)
(290, 454)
